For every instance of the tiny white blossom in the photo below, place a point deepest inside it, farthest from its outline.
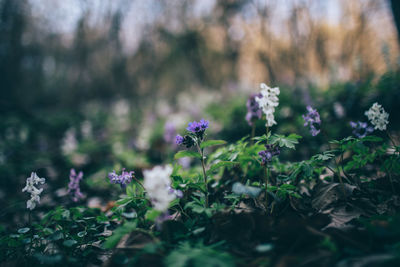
(69, 142)
(268, 101)
(157, 183)
(31, 188)
(378, 116)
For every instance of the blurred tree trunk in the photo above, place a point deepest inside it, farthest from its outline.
(395, 4)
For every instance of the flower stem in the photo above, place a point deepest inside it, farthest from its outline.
(201, 151)
(137, 181)
(31, 232)
(388, 172)
(253, 131)
(205, 179)
(391, 138)
(337, 165)
(266, 170)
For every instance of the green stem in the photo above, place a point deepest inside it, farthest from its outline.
(137, 181)
(336, 164)
(253, 132)
(201, 151)
(391, 138)
(31, 231)
(389, 171)
(266, 170)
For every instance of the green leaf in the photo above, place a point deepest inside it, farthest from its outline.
(221, 164)
(285, 141)
(82, 234)
(262, 248)
(262, 138)
(57, 235)
(102, 218)
(113, 240)
(48, 259)
(152, 214)
(212, 143)
(23, 230)
(130, 190)
(323, 157)
(69, 242)
(124, 201)
(187, 153)
(130, 215)
(372, 138)
(198, 230)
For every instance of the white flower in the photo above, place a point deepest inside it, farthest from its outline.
(378, 117)
(31, 188)
(157, 183)
(339, 110)
(69, 142)
(268, 101)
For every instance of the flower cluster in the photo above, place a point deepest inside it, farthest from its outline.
(196, 132)
(267, 102)
(123, 179)
(178, 193)
(73, 186)
(31, 188)
(253, 109)
(269, 152)
(184, 140)
(361, 129)
(198, 128)
(378, 117)
(157, 183)
(313, 120)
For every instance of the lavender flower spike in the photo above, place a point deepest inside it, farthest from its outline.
(361, 129)
(253, 109)
(313, 120)
(269, 152)
(123, 179)
(73, 185)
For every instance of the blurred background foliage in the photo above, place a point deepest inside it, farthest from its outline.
(97, 85)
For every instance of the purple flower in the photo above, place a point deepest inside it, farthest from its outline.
(194, 127)
(169, 132)
(197, 127)
(253, 109)
(73, 185)
(123, 179)
(269, 152)
(162, 218)
(178, 193)
(184, 140)
(203, 124)
(179, 139)
(361, 129)
(313, 120)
